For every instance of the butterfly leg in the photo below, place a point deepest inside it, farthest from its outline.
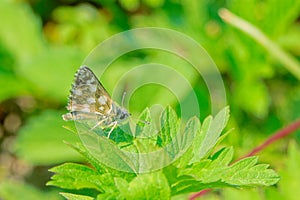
(98, 123)
(113, 124)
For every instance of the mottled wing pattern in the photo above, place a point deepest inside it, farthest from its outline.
(90, 101)
(88, 95)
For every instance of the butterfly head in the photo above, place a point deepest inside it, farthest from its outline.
(123, 114)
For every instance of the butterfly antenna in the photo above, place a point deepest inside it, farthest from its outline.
(140, 120)
(143, 121)
(123, 99)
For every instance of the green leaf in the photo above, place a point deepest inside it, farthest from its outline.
(190, 132)
(12, 190)
(216, 172)
(80, 148)
(23, 46)
(108, 152)
(179, 148)
(210, 132)
(246, 173)
(77, 176)
(107, 196)
(188, 138)
(70, 196)
(146, 126)
(146, 133)
(208, 170)
(48, 76)
(290, 178)
(287, 188)
(244, 163)
(40, 141)
(149, 186)
(198, 142)
(169, 126)
(122, 185)
(31, 51)
(182, 176)
(99, 166)
(16, 87)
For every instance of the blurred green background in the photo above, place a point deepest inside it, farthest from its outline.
(43, 42)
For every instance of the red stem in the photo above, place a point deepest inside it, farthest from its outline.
(274, 137)
(199, 194)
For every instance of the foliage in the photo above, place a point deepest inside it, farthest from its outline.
(30, 140)
(14, 191)
(42, 43)
(286, 188)
(197, 169)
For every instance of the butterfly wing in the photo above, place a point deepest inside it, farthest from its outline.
(88, 95)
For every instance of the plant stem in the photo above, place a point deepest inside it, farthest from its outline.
(287, 60)
(274, 137)
(199, 194)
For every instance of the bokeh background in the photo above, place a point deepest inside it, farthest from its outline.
(43, 42)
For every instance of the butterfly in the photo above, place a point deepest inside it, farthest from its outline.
(90, 100)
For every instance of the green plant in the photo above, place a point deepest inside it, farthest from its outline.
(198, 166)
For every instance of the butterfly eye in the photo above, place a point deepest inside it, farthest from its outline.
(122, 116)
